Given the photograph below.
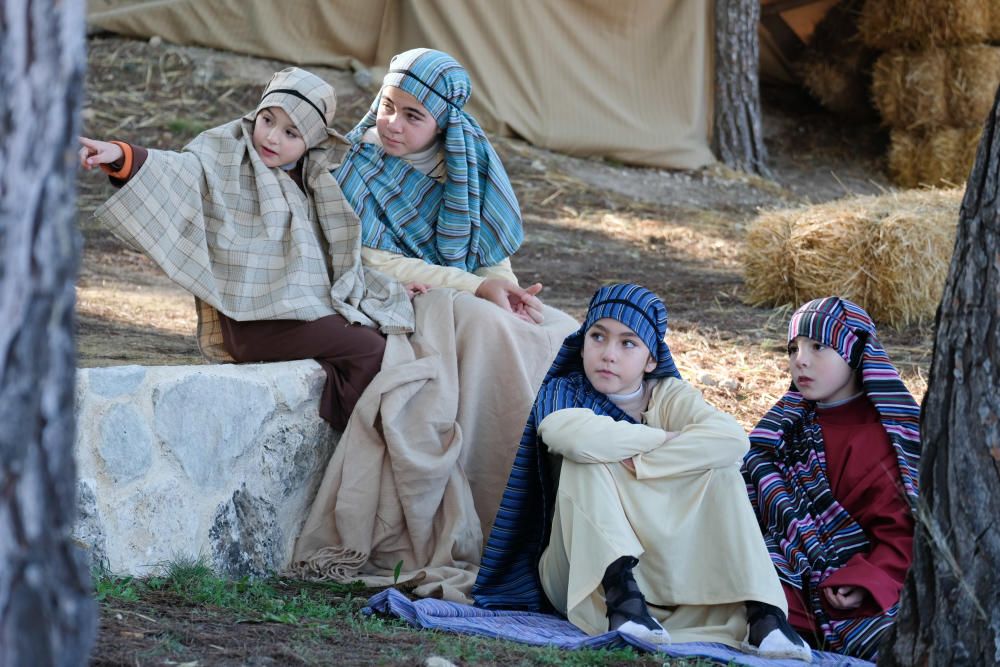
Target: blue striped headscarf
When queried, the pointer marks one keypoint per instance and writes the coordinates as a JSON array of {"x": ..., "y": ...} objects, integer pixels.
[
  {"x": 508, "y": 573},
  {"x": 470, "y": 221},
  {"x": 808, "y": 533}
]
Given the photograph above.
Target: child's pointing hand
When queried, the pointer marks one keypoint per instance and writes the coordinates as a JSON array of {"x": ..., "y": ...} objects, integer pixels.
[{"x": 95, "y": 153}]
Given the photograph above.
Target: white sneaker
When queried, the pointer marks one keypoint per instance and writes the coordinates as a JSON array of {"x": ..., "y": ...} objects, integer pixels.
[
  {"x": 776, "y": 645},
  {"x": 658, "y": 635}
]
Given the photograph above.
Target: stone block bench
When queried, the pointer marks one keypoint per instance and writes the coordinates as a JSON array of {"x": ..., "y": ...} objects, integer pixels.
[{"x": 216, "y": 461}]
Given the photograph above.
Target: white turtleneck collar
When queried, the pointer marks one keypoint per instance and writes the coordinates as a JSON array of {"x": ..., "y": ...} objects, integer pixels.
[{"x": 429, "y": 161}]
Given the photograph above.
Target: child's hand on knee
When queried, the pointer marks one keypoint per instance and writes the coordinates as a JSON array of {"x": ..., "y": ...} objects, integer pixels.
[
  {"x": 844, "y": 597},
  {"x": 95, "y": 153}
]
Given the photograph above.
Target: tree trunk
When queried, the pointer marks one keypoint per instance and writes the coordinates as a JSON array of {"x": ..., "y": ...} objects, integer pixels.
[
  {"x": 737, "y": 137},
  {"x": 47, "y": 615},
  {"x": 950, "y": 607}
]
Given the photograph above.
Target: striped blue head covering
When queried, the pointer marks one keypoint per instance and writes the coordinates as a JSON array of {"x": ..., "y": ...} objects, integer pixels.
[
  {"x": 637, "y": 308},
  {"x": 508, "y": 572},
  {"x": 473, "y": 220},
  {"x": 808, "y": 533}
]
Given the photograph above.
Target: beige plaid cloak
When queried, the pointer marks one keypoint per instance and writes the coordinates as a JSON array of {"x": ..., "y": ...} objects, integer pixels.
[{"x": 248, "y": 242}]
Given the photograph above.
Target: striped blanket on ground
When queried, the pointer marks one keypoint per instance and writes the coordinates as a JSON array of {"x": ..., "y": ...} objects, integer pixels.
[{"x": 549, "y": 630}]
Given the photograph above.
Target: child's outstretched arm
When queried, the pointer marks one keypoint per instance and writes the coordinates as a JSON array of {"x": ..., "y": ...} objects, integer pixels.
[{"x": 94, "y": 153}]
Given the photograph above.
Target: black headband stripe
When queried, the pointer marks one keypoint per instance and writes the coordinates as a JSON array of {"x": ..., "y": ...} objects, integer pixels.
[
  {"x": 295, "y": 93},
  {"x": 636, "y": 308},
  {"x": 406, "y": 72}
]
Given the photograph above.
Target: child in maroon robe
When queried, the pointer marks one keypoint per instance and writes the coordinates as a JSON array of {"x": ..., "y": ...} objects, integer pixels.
[{"x": 832, "y": 476}]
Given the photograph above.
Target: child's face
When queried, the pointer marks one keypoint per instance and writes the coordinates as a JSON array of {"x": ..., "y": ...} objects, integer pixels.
[
  {"x": 277, "y": 140},
  {"x": 403, "y": 124},
  {"x": 614, "y": 357},
  {"x": 819, "y": 372}
]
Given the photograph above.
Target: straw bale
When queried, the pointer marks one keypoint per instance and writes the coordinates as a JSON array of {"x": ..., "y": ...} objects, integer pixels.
[
  {"x": 767, "y": 259},
  {"x": 841, "y": 85},
  {"x": 889, "y": 253},
  {"x": 828, "y": 253},
  {"x": 972, "y": 83},
  {"x": 994, "y": 27},
  {"x": 904, "y": 167},
  {"x": 939, "y": 156},
  {"x": 910, "y": 250},
  {"x": 889, "y": 24},
  {"x": 910, "y": 89}
]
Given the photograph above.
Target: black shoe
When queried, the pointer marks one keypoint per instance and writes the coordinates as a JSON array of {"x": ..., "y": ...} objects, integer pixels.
[
  {"x": 769, "y": 634},
  {"x": 627, "y": 611}
]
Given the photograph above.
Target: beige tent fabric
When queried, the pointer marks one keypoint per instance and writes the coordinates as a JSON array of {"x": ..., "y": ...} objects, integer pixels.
[
  {"x": 421, "y": 467},
  {"x": 335, "y": 34},
  {"x": 630, "y": 80}
]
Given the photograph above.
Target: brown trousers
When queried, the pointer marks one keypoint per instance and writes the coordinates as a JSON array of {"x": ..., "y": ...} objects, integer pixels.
[{"x": 350, "y": 354}]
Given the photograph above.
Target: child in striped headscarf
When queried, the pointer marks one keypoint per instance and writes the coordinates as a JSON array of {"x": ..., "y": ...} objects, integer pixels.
[
  {"x": 832, "y": 475},
  {"x": 625, "y": 509},
  {"x": 435, "y": 202}
]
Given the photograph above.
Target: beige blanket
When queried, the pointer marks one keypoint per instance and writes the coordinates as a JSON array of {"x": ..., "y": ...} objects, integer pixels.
[{"x": 420, "y": 469}]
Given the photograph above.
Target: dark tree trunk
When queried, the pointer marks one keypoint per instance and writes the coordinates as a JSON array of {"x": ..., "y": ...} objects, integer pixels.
[
  {"x": 737, "y": 137},
  {"x": 47, "y": 615},
  {"x": 950, "y": 608}
]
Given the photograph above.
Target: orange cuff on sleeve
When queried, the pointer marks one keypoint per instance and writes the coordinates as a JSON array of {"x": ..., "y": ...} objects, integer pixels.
[{"x": 126, "y": 170}]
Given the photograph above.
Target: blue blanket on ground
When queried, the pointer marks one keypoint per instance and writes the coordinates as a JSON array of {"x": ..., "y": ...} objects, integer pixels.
[{"x": 549, "y": 630}]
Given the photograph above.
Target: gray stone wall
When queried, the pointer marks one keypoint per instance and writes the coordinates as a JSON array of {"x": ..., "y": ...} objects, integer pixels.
[{"x": 217, "y": 461}]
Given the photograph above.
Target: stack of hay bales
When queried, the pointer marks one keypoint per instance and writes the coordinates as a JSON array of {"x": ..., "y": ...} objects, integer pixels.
[
  {"x": 889, "y": 253},
  {"x": 935, "y": 83}
]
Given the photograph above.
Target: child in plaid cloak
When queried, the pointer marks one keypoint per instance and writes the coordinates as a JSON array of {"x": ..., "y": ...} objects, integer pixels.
[
  {"x": 625, "y": 508},
  {"x": 249, "y": 219}
]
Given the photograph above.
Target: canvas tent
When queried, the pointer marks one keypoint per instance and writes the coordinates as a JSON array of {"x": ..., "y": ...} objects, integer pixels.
[{"x": 632, "y": 80}]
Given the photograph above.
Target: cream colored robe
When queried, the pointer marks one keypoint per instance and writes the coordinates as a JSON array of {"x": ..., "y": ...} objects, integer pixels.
[
  {"x": 410, "y": 269},
  {"x": 684, "y": 514}
]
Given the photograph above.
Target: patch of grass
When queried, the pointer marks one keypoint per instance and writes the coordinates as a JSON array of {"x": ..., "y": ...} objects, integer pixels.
[
  {"x": 271, "y": 600},
  {"x": 263, "y": 599},
  {"x": 110, "y": 586},
  {"x": 186, "y": 127}
]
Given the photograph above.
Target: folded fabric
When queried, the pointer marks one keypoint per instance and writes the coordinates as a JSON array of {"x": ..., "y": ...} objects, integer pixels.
[{"x": 549, "y": 630}]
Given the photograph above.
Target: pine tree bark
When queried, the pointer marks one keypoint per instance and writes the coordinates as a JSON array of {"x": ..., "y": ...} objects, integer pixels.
[
  {"x": 950, "y": 607},
  {"x": 737, "y": 137},
  {"x": 47, "y": 615}
]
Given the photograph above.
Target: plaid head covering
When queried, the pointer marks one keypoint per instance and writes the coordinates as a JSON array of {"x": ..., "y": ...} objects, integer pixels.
[
  {"x": 508, "y": 573},
  {"x": 243, "y": 238},
  {"x": 808, "y": 533},
  {"x": 473, "y": 219},
  {"x": 308, "y": 100}
]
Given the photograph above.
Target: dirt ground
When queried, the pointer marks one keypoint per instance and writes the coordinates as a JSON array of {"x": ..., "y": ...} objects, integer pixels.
[{"x": 587, "y": 222}]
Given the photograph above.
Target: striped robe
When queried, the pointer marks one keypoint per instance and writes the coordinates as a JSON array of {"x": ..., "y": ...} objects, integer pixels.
[{"x": 808, "y": 533}]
